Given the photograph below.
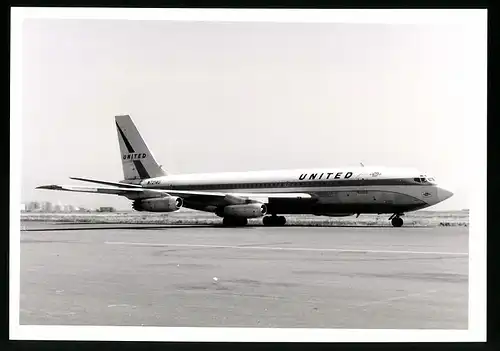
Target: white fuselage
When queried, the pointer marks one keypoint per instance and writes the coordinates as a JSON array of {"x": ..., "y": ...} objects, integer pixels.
[{"x": 334, "y": 190}]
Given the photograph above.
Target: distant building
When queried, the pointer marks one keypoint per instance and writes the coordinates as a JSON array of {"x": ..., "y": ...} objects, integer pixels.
[
  {"x": 47, "y": 207},
  {"x": 33, "y": 206},
  {"x": 106, "y": 209},
  {"x": 68, "y": 208}
]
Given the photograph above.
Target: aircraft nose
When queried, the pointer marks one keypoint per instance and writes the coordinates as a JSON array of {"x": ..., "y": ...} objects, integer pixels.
[{"x": 443, "y": 193}]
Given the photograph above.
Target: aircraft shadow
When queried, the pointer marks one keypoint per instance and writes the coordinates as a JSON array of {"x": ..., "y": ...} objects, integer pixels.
[
  {"x": 191, "y": 226},
  {"x": 82, "y": 227}
]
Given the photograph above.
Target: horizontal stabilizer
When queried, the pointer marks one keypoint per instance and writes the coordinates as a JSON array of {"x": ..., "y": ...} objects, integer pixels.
[{"x": 105, "y": 182}]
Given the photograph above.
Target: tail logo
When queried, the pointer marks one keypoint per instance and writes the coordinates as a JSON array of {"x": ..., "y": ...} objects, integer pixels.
[{"x": 134, "y": 156}]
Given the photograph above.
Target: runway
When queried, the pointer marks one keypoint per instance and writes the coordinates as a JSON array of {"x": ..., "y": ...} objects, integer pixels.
[{"x": 206, "y": 276}]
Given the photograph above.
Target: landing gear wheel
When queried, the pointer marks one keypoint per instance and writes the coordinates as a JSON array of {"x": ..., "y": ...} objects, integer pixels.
[
  {"x": 234, "y": 221},
  {"x": 266, "y": 221},
  {"x": 281, "y": 220},
  {"x": 397, "y": 222},
  {"x": 274, "y": 220}
]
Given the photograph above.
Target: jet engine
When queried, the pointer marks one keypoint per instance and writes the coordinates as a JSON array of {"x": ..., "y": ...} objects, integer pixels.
[
  {"x": 160, "y": 204},
  {"x": 252, "y": 210}
]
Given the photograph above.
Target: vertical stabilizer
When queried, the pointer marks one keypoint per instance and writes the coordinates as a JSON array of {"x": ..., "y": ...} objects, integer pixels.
[{"x": 137, "y": 161}]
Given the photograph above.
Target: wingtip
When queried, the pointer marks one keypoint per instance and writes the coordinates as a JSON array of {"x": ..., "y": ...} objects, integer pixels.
[{"x": 49, "y": 187}]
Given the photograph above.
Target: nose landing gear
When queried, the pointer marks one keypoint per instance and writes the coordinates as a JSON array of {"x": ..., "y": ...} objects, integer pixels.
[{"x": 396, "y": 220}]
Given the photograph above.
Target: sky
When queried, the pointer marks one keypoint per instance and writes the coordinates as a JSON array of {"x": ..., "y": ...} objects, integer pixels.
[{"x": 221, "y": 96}]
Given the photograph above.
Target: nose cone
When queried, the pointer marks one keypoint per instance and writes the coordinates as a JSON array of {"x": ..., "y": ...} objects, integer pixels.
[{"x": 443, "y": 194}]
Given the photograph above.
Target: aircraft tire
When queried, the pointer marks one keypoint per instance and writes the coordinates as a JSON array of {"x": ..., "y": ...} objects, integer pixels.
[
  {"x": 267, "y": 221},
  {"x": 274, "y": 220},
  {"x": 281, "y": 220},
  {"x": 397, "y": 222},
  {"x": 234, "y": 221}
]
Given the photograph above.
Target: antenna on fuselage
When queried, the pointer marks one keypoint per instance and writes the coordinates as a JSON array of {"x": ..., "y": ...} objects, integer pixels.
[{"x": 361, "y": 163}]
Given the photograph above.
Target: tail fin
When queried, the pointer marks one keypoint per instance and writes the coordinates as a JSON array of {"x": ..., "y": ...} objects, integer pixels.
[{"x": 137, "y": 161}]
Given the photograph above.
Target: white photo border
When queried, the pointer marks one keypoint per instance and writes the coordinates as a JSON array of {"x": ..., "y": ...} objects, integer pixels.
[{"x": 477, "y": 19}]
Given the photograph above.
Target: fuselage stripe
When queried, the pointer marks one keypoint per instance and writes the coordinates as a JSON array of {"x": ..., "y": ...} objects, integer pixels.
[
  {"x": 141, "y": 170},
  {"x": 287, "y": 185}
]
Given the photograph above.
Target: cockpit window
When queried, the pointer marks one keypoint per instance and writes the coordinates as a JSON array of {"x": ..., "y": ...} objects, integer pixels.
[{"x": 423, "y": 180}]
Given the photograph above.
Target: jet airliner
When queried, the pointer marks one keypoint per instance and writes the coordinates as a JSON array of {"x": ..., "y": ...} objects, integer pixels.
[{"x": 238, "y": 196}]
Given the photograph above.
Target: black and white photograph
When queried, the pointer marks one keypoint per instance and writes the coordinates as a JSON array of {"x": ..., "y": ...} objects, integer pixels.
[{"x": 248, "y": 175}]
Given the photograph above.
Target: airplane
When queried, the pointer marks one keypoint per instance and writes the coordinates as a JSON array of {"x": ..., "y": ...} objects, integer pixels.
[{"x": 238, "y": 196}]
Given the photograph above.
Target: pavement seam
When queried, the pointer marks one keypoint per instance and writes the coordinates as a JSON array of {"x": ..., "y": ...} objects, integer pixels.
[{"x": 286, "y": 248}]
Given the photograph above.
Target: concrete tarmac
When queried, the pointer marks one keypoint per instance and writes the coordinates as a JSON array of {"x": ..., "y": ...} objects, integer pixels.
[{"x": 206, "y": 276}]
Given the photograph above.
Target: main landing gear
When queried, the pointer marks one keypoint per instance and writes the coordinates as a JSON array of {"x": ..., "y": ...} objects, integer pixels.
[
  {"x": 396, "y": 220},
  {"x": 242, "y": 221},
  {"x": 234, "y": 221},
  {"x": 274, "y": 220}
]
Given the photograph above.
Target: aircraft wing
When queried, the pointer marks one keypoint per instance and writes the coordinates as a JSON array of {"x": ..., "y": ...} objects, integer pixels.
[
  {"x": 220, "y": 198},
  {"x": 201, "y": 197}
]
